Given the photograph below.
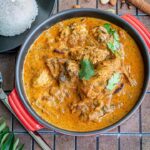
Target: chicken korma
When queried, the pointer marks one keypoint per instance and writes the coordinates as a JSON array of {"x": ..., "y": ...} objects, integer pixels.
[{"x": 83, "y": 74}]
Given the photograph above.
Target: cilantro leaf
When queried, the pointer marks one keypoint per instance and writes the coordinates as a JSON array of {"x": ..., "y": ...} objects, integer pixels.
[
  {"x": 87, "y": 69},
  {"x": 116, "y": 36},
  {"x": 113, "y": 46},
  {"x": 107, "y": 26},
  {"x": 113, "y": 81}
]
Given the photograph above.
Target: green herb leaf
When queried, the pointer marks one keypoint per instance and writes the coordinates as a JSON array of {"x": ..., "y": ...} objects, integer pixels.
[
  {"x": 115, "y": 45},
  {"x": 107, "y": 26},
  {"x": 7, "y": 139},
  {"x": 2, "y": 126},
  {"x": 20, "y": 147},
  {"x": 15, "y": 144},
  {"x": 87, "y": 69},
  {"x": 6, "y": 130},
  {"x": 116, "y": 36},
  {"x": 111, "y": 46},
  {"x": 8, "y": 143},
  {"x": 115, "y": 79}
]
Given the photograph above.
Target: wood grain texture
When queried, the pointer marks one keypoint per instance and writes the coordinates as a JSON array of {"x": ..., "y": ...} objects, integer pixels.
[
  {"x": 108, "y": 142},
  {"x": 64, "y": 142},
  {"x": 145, "y": 113},
  {"x": 17, "y": 127},
  {"x": 146, "y": 143},
  {"x": 4, "y": 112},
  {"x": 48, "y": 138},
  {"x": 87, "y": 3},
  {"x": 26, "y": 140},
  {"x": 7, "y": 68},
  {"x": 129, "y": 143},
  {"x": 86, "y": 143},
  {"x": 66, "y": 4},
  {"x": 132, "y": 124}
]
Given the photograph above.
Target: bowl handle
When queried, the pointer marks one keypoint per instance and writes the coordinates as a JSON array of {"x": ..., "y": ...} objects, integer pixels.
[
  {"x": 139, "y": 26},
  {"x": 21, "y": 112}
]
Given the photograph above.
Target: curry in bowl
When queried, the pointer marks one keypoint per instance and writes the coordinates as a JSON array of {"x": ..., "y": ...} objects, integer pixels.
[{"x": 83, "y": 74}]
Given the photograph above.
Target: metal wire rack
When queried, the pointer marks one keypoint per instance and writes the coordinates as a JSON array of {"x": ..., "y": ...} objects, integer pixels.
[{"x": 118, "y": 134}]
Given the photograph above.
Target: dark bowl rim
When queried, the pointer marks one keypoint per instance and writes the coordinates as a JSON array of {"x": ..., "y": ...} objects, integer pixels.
[{"x": 19, "y": 86}]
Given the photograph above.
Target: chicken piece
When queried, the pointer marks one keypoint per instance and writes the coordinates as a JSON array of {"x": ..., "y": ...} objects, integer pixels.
[
  {"x": 97, "y": 113},
  {"x": 44, "y": 79},
  {"x": 74, "y": 34},
  {"x": 94, "y": 54},
  {"x": 109, "y": 109},
  {"x": 101, "y": 34},
  {"x": 59, "y": 93},
  {"x": 55, "y": 66},
  {"x": 72, "y": 68},
  {"x": 94, "y": 87},
  {"x": 49, "y": 38},
  {"x": 78, "y": 35},
  {"x": 46, "y": 103},
  {"x": 108, "y": 99},
  {"x": 100, "y": 111},
  {"x": 91, "y": 88},
  {"x": 63, "y": 70},
  {"x": 88, "y": 110},
  {"x": 65, "y": 33},
  {"x": 77, "y": 53},
  {"x": 96, "y": 116},
  {"x": 108, "y": 67},
  {"x": 46, "y": 100},
  {"x": 82, "y": 108},
  {"x": 81, "y": 105}
]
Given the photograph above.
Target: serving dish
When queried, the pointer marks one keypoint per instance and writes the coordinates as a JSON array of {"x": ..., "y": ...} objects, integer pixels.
[
  {"x": 45, "y": 9},
  {"x": 22, "y": 105}
]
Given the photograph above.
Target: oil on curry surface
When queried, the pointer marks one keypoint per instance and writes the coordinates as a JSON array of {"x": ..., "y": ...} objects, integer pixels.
[{"x": 83, "y": 74}]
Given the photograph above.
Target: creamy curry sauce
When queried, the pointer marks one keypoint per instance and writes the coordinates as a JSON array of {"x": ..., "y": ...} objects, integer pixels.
[{"x": 83, "y": 74}]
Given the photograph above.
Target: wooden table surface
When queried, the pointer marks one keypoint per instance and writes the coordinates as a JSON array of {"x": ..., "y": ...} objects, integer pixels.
[{"x": 134, "y": 134}]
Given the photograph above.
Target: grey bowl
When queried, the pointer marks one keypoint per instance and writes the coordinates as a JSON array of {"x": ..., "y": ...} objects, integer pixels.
[{"x": 88, "y": 12}]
